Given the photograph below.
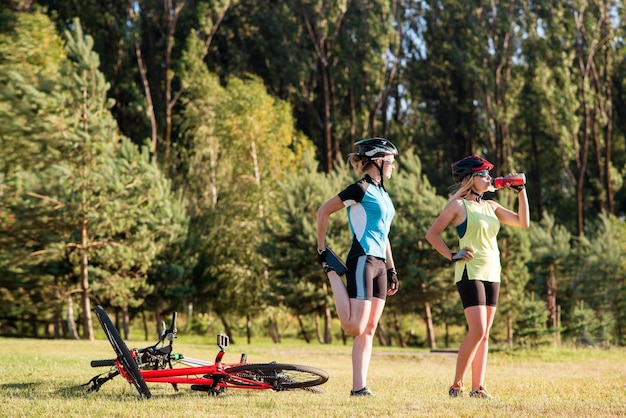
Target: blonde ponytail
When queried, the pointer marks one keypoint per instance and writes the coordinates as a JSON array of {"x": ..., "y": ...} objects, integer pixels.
[{"x": 460, "y": 190}]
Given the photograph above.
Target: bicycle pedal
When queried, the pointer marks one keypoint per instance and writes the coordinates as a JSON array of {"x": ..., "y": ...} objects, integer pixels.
[
  {"x": 209, "y": 389},
  {"x": 201, "y": 388}
]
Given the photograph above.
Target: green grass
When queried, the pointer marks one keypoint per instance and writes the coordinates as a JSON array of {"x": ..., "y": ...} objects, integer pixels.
[{"x": 43, "y": 377}]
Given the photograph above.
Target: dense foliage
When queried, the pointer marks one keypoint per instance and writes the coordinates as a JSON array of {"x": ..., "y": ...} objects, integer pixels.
[{"x": 163, "y": 156}]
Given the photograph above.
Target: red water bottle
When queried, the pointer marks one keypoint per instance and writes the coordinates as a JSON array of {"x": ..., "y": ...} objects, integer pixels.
[{"x": 518, "y": 179}]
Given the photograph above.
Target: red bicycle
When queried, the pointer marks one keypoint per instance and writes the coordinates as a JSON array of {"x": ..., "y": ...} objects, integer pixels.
[{"x": 159, "y": 364}]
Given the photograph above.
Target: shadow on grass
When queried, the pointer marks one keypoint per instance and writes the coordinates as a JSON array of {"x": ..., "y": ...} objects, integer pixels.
[
  {"x": 30, "y": 390},
  {"x": 19, "y": 386},
  {"x": 26, "y": 390},
  {"x": 38, "y": 390}
]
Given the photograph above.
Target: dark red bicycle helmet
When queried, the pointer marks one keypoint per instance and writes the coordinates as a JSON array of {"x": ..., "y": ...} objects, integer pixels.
[{"x": 469, "y": 165}]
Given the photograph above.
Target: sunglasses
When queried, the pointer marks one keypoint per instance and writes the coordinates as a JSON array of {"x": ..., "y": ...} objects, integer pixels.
[
  {"x": 385, "y": 159},
  {"x": 482, "y": 173}
]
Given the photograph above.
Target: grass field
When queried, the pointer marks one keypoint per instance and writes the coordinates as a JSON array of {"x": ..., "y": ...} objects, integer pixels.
[{"x": 41, "y": 378}]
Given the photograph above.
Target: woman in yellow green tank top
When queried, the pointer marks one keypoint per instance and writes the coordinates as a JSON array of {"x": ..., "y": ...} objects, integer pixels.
[{"x": 477, "y": 262}]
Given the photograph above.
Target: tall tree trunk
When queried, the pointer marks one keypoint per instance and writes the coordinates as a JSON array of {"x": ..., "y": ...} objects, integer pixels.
[
  {"x": 273, "y": 329},
  {"x": 305, "y": 335},
  {"x": 606, "y": 95},
  {"x": 257, "y": 181},
  {"x": 71, "y": 322},
  {"x": 586, "y": 48},
  {"x": 83, "y": 224},
  {"x": 581, "y": 163},
  {"x": 382, "y": 335},
  {"x": 558, "y": 326},
  {"x": 509, "y": 328},
  {"x": 249, "y": 328},
  {"x": 172, "y": 12},
  {"x": 398, "y": 328},
  {"x": 535, "y": 177},
  {"x": 189, "y": 323},
  {"x": 125, "y": 323},
  {"x": 84, "y": 281},
  {"x": 326, "y": 116},
  {"x": 430, "y": 329},
  {"x": 227, "y": 329},
  {"x": 32, "y": 320},
  {"x": 499, "y": 65},
  {"x": 56, "y": 323},
  {"x": 321, "y": 33},
  {"x": 143, "y": 73},
  {"x": 144, "y": 322},
  {"x": 147, "y": 91},
  {"x": 353, "y": 116},
  {"x": 318, "y": 329},
  {"x": 551, "y": 298}
]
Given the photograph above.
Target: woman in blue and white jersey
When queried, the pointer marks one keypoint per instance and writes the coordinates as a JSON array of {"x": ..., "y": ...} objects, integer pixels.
[{"x": 371, "y": 274}]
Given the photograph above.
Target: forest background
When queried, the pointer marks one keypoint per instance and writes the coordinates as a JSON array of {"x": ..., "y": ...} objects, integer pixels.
[{"x": 171, "y": 155}]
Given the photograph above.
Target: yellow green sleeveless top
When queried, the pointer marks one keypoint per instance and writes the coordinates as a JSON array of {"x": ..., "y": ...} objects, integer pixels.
[{"x": 479, "y": 231}]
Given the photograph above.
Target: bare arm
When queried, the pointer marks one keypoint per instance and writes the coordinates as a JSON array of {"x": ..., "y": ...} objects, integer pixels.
[
  {"x": 331, "y": 206},
  {"x": 521, "y": 219},
  {"x": 389, "y": 256},
  {"x": 454, "y": 211}
]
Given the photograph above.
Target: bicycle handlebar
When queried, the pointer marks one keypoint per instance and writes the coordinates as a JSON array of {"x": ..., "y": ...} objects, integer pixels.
[{"x": 170, "y": 333}]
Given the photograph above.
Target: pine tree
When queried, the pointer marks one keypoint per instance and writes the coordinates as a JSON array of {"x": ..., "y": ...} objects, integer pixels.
[{"x": 94, "y": 197}]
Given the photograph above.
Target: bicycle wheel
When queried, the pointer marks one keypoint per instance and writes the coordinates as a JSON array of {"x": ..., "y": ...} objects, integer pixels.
[
  {"x": 280, "y": 376},
  {"x": 123, "y": 353}
]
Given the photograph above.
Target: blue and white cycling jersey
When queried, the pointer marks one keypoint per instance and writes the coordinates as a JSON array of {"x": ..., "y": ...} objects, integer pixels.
[{"x": 370, "y": 212}]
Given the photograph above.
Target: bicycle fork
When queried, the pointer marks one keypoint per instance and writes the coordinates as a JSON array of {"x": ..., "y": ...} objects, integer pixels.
[{"x": 97, "y": 381}]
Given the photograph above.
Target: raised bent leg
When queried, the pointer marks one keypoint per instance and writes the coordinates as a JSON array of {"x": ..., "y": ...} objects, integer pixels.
[{"x": 353, "y": 313}]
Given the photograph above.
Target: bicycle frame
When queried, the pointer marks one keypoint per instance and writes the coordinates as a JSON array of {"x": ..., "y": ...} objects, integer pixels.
[
  {"x": 190, "y": 375},
  {"x": 203, "y": 373}
]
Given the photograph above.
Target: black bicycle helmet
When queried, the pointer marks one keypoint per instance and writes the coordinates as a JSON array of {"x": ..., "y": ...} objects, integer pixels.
[
  {"x": 370, "y": 147},
  {"x": 469, "y": 165}
]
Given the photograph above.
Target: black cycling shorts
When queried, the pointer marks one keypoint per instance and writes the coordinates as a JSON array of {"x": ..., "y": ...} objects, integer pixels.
[
  {"x": 477, "y": 292},
  {"x": 366, "y": 278}
]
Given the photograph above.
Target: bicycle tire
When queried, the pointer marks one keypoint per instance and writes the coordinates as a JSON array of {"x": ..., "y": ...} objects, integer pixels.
[
  {"x": 280, "y": 376},
  {"x": 103, "y": 363},
  {"x": 122, "y": 352}
]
